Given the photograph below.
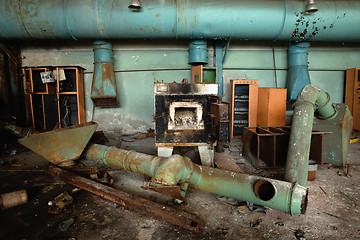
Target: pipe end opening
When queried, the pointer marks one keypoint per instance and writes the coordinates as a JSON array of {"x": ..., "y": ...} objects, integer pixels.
[
  {"x": 264, "y": 190},
  {"x": 304, "y": 202}
]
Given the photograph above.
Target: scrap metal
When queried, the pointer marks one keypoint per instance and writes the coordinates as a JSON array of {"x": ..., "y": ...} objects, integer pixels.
[
  {"x": 130, "y": 201},
  {"x": 61, "y": 146}
]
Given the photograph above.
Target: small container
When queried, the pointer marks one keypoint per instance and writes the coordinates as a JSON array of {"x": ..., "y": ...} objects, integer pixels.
[
  {"x": 313, "y": 165},
  {"x": 13, "y": 199}
]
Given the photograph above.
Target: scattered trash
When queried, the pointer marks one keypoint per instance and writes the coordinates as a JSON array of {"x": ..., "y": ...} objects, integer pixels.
[
  {"x": 322, "y": 190},
  {"x": 229, "y": 201},
  {"x": 13, "y": 152},
  {"x": 242, "y": 209},
  {"x": 354, "y": 140},
  {"x": 300, "y": 234},
  {"x": 279, "y": 224},
  {"x": 313, "y": 165},
  {"x": 63, "y": 226},
  {"x": 102, "y": 177},
  {"x": 99, "y": 138},
  {"x": 59, "y": 203},
  {"x": 348, "y": 168},
  {"x": 9, "y": 200},
  {"x": 256, "y": 208},
  {"x": 255, "y": 224}
]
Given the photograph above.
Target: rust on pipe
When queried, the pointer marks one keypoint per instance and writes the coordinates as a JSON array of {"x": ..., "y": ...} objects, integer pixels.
[{"x": 130, "y": 201}]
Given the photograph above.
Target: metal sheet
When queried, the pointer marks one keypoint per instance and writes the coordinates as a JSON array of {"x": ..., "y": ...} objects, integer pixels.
[{"x": 61, "y": 146}]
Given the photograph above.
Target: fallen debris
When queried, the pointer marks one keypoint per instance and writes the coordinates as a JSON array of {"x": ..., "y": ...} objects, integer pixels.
[
  {"x": 101, "y": 176},
  {"x": 256, "y": 208},
  {"x": 322, "y": 190},
  {"x": 226, "y": 163},
  {"x": 59, "y": 203},
  {"x": 130, "y": 201},
  {"x": 9, "y": 200},
  {"x": 299, "y": 234},
  {"x": 99, "y": 138},
  {"x": 63, "y": 226}
]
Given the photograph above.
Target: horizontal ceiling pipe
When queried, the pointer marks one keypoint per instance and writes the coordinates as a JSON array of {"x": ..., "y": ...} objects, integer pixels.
[
  {"x": 177, "y": 170},
  {"x": 309, "y": 100},
  {"x": 180, "y": 19}
]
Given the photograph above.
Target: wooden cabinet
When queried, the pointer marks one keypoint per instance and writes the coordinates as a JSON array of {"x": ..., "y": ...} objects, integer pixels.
[
  {"x": 57, "y": 103},
  {"x": 271, "y": 107},
  {"x": 352, "y": 95},
  {"x": 243, "y": 105}
]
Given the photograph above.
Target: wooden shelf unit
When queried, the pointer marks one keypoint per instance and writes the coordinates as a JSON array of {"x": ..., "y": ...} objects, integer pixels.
[
  {"x": 49, "y": 104},
  {"x": 352, "y": 95},
  {"x": 243, "y": 105}
]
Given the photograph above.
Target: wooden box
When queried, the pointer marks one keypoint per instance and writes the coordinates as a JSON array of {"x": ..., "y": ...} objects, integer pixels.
[{"x": 271, "y": 107}]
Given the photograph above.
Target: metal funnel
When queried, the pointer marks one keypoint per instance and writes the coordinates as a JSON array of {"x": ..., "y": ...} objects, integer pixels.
[{"x": 61, "y": 146}]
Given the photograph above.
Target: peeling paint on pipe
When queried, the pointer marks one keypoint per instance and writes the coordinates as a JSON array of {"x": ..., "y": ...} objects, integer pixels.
[
  {"x": 103, "y": 88},
  {"x": 180, "y": 19},
  {"x": 309, "y": 100},
  {"x": 177, "y": 170}
]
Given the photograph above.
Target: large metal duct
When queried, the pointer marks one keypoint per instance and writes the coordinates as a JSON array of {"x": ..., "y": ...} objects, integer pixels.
[{"x": 212, "y": 19}]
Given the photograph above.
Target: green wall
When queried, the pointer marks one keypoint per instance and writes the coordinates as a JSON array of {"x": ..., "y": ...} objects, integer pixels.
[{"x": 138, "y": 64}]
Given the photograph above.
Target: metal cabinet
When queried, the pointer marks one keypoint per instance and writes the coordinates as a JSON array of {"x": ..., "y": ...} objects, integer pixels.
[{"x": 243, "y": 105}]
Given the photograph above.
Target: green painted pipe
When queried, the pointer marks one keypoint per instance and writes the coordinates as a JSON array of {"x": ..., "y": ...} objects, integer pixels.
[
  {"x": 178, "y": 170},
  {"x": 309, "y": 100}
]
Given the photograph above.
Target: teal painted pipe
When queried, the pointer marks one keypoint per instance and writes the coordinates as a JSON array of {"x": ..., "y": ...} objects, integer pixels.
[
  {"x": 178, "y": 170},
  {"x": 298, "y": 75},
  {"x": 180, "y": 19},
  {"x": 219, "y": 67},
  {"x": 309, "y": 100},
  {"x": 103, "y": 89},
  {"x": 197, "y": 52}
]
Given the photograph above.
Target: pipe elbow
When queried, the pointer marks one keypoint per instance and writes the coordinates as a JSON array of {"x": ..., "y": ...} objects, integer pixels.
[
  {"x": 172, "y": 170},
  {"x": 319, "y": 99}
]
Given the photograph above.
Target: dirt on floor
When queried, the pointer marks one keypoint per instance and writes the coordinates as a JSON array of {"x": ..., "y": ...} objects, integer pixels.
[{"x": 332, "y": 213}]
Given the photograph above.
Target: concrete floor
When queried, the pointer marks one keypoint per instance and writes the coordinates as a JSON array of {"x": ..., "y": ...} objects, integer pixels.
[{"x": 333, "y": 209}]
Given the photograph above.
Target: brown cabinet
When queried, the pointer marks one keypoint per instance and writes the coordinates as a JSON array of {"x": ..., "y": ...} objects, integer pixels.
[
  {"x": 243, "y": 105},
  {"x": 352, "y": 95},
  {"x": 58, "y": 100},
  {"x": 271, "y": 107}
]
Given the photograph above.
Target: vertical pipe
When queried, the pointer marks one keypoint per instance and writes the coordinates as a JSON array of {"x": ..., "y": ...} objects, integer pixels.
[
  {"x": 103, "y": 90},
  {"x": 298, "y": 75},
  {"x": 310, "y": 98},
  {"x": 219, "y": 67}
]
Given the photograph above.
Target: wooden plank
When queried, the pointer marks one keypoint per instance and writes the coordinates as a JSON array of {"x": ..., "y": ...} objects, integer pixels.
[
  {"x": 349, "y": 88},
  {"x": 80, "y": 94},
  {"x": 43, "y": 108}
]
